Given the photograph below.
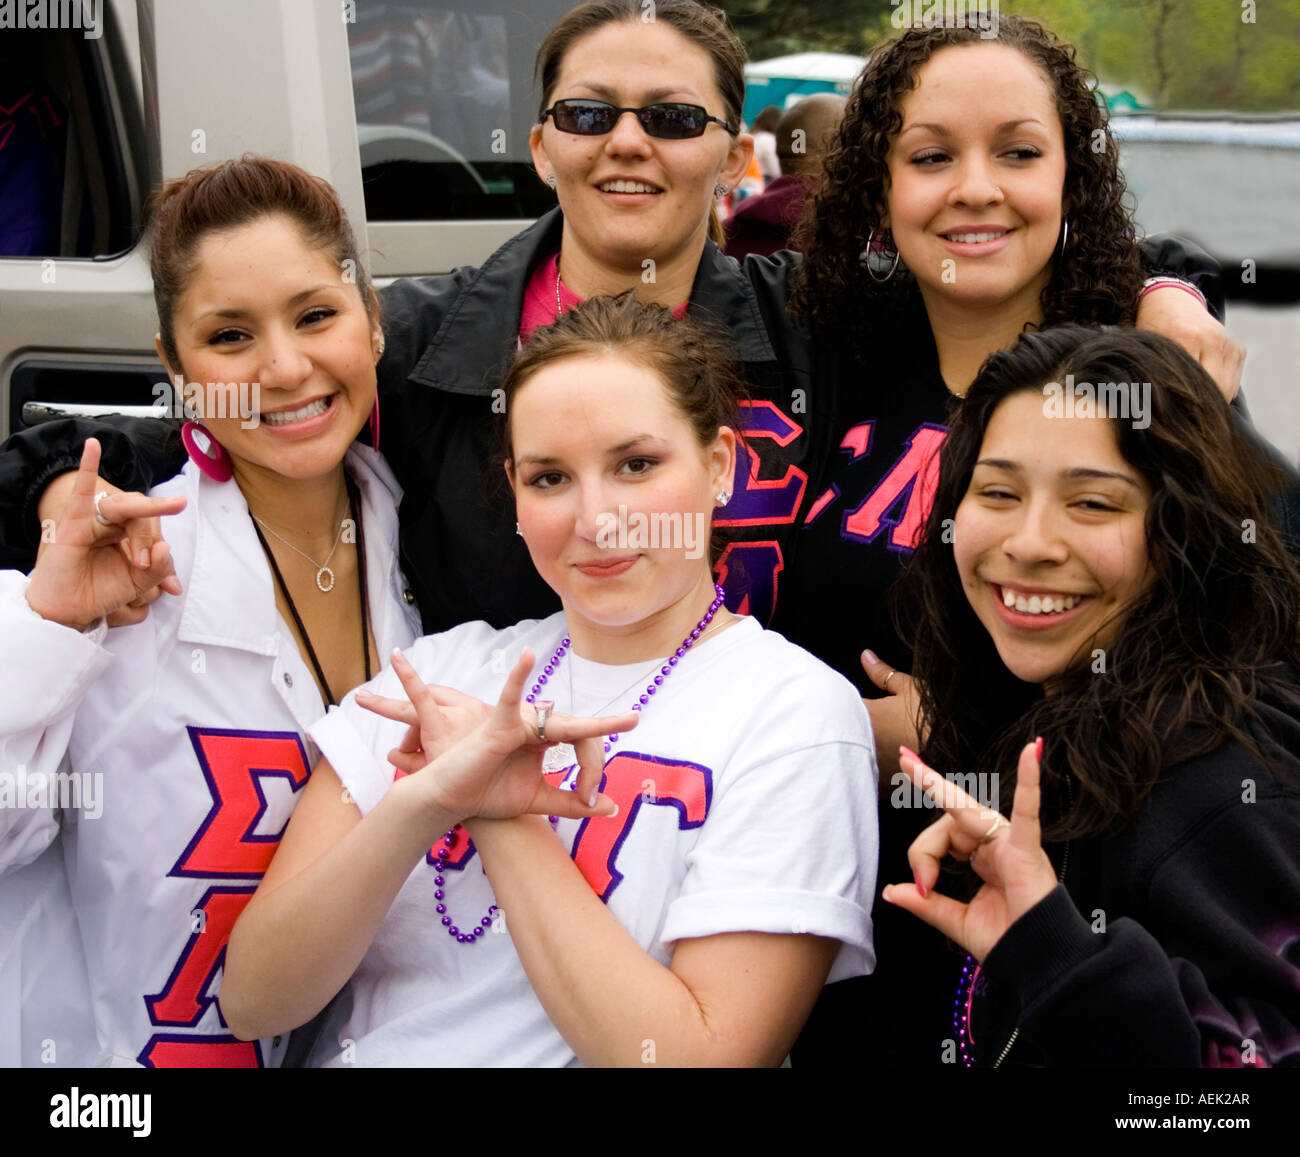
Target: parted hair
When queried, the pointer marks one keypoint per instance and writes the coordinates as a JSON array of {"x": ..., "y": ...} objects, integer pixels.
[
  {"x": 1213, "y": 629},
  {"x": 1095, "y": 281}
]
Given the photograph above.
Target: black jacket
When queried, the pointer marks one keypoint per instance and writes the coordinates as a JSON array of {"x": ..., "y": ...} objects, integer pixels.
[{"x": 448, "y": 340}]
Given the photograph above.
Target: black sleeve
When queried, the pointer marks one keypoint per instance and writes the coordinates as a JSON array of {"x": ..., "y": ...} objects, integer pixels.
[
  {"x": 1170, "y": 256},
  {"x": 1286, "y": 489},
  {"x": 137, "y": 454},
  {"x": 1203, "y": 981}
]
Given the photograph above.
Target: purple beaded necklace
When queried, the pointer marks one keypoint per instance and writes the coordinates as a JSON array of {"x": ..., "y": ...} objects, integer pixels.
[{"x": 452, "y": 835}]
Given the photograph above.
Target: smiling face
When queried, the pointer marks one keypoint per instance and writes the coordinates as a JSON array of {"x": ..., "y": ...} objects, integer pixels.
[
  {"x": 265, "y": 307},
  {"x": 976, "y": 178},
  {"x": 628, "y": 196},
  {"x": 1054, "y": 521},
  {"x": 591, "y": 434}
]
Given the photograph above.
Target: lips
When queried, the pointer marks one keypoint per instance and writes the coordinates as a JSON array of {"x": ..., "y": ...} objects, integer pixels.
[
  {"x": 300, "y": 413},
  {"x": 628, "y": 185},
  {"x": 606, "y": 567},
  {"x": 1035, "y": 608}
]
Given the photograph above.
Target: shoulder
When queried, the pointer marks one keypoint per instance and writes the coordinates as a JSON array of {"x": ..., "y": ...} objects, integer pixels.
[
  {"x": 373, "y": 476},
  {"x": 476, "y": 657},
  {"x": 788, "y": 694}
]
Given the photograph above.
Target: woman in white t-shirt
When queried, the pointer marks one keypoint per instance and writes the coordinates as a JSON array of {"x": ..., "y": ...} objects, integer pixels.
[{"x": 689, "y": 914}]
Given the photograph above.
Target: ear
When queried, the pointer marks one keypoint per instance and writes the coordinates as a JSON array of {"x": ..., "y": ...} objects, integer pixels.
[
  {"x": 721, "y": 456},
  {"x": 172, "y": 372},
  {"x": 738, "y": 158},
  {"x": 541, "y": 162},
  {"x": 510, "y": 474}
]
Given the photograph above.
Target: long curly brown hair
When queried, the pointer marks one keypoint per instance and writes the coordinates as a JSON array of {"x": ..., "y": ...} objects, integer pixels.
[
  {"x": 1098, "y": 279},
  {"x": 1218, "y": 626}
]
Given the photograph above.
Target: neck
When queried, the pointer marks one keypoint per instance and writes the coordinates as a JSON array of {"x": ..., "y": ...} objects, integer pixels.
[
  {"x": 304, "y": 510},
  {"x": 673, "y": 275},
  {"x": 965, "y": 335},
  {"x": 651, "y": 638}
]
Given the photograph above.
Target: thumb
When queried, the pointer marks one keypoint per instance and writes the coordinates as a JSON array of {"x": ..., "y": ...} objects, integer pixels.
[{"x": 887, "y": 678}]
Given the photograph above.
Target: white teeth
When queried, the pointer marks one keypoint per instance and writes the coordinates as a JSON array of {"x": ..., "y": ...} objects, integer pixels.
[
  {"x": 1039, "y": 604},
  {"x": 974, "y": 238},
  {"x": 627, "y": 187},
  {"x": 311, "y": 410}
]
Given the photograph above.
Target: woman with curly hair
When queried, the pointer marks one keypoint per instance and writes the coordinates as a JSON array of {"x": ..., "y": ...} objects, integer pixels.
[
  {"x": 974, "y": 192},
  {"x": 1110, "y": 587}
]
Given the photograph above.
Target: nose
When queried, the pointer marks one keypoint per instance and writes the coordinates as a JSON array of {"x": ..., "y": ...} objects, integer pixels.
[
  {"x": 284, "y": 363},
  {"x": 595, "y": 519},
  {"x": 974, "y": 182},
  {"x": 628, "y": 137},
  {"x": 1035, "y": 538}
]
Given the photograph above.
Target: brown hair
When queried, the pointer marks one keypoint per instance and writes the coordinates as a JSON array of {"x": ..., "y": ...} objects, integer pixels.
[
  {"x": 1096, "y": 280},
  {"x": 1194, "y": 652},
  {"x": 692, "y": 359},
  {"x": 699, "y": 23},
  {"x": 229, "y": 195}
]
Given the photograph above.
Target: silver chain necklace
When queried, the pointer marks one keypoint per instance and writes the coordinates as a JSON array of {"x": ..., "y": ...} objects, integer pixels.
[{"x": 324, "y": 574}]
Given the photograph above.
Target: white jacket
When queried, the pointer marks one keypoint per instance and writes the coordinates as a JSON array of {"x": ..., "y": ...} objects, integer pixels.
[{"x": 168, "y": 755}]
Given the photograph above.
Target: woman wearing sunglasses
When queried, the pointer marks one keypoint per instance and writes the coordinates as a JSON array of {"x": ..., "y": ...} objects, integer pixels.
[{"x": 637, "y": 133}]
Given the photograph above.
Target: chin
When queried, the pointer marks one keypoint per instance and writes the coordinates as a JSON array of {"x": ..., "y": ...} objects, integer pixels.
[{"x": 1032, "y": 665}]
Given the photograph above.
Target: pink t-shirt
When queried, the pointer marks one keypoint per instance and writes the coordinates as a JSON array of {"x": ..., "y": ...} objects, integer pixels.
[{"x": 539, "y": 299}]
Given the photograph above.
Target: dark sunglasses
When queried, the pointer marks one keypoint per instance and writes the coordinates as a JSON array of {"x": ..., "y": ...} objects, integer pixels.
[{"x": 669, "y": 122}]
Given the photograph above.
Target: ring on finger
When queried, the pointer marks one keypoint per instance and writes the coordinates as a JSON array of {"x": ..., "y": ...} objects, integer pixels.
[
  {"x": 998, "y": 823},
  {"x": 99, "y": 514},
  {"x": 544, "y": 708},
  {"x": 885, "y": 685}
]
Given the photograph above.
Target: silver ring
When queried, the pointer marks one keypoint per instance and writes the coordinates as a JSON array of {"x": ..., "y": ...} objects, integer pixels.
[
  {"x": 99, "y": 514},
  {"x": 544, "y": 708}
]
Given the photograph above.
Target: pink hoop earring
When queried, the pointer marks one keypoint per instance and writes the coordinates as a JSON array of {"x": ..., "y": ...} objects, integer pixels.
[
  {"x": 374, "y": 425},
  {"x": 206, "y": 452}
]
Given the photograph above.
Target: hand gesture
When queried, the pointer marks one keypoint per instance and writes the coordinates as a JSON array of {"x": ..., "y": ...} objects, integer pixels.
[
  {"x": 480, "y": 761},
  {"x": 84, "y": 574},
  {"x": 1008, "y": 857}
]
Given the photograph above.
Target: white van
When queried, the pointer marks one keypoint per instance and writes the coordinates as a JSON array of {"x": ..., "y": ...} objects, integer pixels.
[{"x": 417, "y": 111}]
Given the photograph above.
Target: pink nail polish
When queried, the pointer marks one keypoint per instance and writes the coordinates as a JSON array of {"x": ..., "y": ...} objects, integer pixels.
[
  {"x": 907, "y": 751},
  {"x": 916, "y": 877},
  {"x": 1038, "y": 749}
]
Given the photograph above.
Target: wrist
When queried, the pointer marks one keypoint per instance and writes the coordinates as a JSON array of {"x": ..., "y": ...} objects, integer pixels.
[
  {"x": 38, "y": 608},
  {"x": 1166, "y": 282},
  {"x": 416, "y": 792}
]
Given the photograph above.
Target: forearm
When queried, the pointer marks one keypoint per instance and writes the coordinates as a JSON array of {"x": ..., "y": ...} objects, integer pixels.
[
  {"x": 610, "y": 1000},
  {"x": 295, "y": 946}
]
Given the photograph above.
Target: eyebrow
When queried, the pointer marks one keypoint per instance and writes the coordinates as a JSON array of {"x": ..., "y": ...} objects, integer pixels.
[
  {"x": 1078, "y": 473},
  {"x": 943, "y": 131},
  {"x": 614, "y": 451},
  {"x": 654, "y": 96},
  {"x": 296, "y": 299}
]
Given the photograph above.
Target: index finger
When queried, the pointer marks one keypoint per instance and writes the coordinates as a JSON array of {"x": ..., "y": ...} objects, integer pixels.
[{"x": 943, "y": 791}]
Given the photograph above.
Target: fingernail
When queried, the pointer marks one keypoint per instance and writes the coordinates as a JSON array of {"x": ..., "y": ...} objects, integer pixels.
[
  {"x": 909, "y": 753},
  {"x": 1038, "y": 749},
  {"x": 613, "y": 813},
  {"x": 870, "y": 657},
  {"x": 916, "y": 876},
  {"x": 142, "y": 558},
  {"x": 591, "y": 799}
]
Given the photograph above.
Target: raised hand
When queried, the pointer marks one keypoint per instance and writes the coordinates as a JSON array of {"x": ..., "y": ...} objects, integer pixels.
[
  {"x": 1008, "y": 857},
  {"x": 894, "y": 719},
  {"x": 480, "y": 761},
  {"x": 84, "y": 574}
]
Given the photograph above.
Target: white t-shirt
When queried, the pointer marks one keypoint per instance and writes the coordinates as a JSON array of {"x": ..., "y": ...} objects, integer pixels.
[{"x": 747, "y": 801}]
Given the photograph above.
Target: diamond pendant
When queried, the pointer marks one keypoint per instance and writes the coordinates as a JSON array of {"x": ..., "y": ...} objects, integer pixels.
[
  {"x": 561, "y": 757},
  {"x": 325, "y": 584}
]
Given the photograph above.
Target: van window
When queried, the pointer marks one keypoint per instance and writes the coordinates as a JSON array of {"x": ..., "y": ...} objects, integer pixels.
[
  {"x": 444, "y": 103},
  {"x": 63, "y": 186}
]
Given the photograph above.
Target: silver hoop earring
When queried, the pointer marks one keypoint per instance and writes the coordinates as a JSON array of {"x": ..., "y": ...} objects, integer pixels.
[
  {"x": 721, "y": 190},
  {"x": 551, "y": 180},
  {"x": 877, "y": 259},
  {"x": 1065, "y": 236},
  {"x": 518, "y": 531}
]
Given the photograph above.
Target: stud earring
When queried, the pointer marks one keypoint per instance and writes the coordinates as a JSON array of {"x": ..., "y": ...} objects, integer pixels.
[
  {"x": 550, "y": 180},
  {"x": 721, "y": 190},
  {"x": 723, "y": 497},
  {"x": 518, "y": 531}
]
